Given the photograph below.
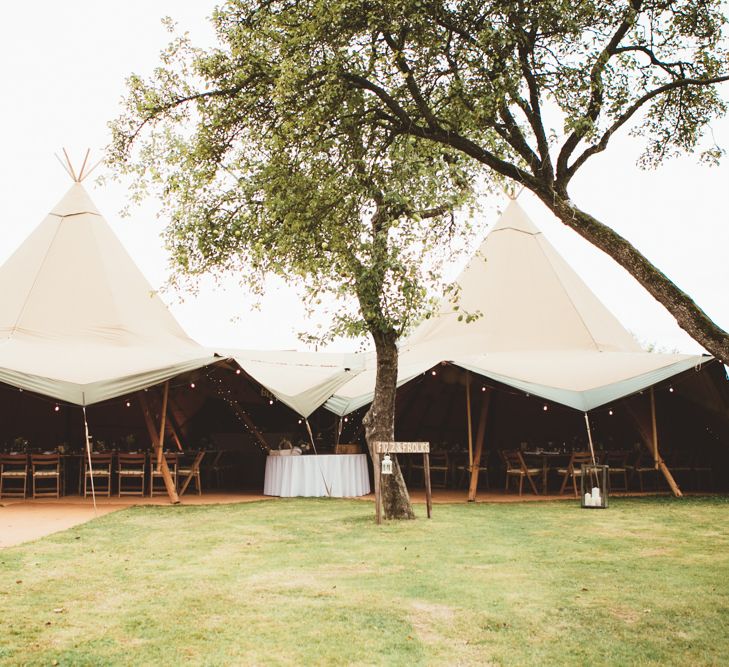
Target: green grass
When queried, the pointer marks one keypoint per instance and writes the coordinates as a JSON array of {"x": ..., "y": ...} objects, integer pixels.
[{"x": 316, "y": 582}]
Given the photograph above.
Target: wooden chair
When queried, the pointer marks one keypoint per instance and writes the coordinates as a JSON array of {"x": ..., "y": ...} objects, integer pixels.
[
  {"x": 188, "y": 471},
  {"x": 516, "y": 468},
  {"x": 438, "y": 465},
  {"x": 464, "y": 471},
  {"x": 45, "y": 467},
  {"x": 13, "y": 470},
  {"x": 100, "y": 470},
  {"x": 156, "y": 472},
  {"x": 574, "y": 470},
  {"x": 617, "y": 462},
  {"x": 645, "y": 466},
  {"x": 131, "y": 467}
]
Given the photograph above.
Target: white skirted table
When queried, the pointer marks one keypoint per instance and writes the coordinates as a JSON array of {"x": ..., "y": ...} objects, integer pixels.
[{"x": 336, "y": 475}]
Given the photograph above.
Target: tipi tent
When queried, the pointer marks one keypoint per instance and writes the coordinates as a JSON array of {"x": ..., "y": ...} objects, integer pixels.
[
  {"x": 541, "y": 329},
  {"x": 78, "y": 320}
]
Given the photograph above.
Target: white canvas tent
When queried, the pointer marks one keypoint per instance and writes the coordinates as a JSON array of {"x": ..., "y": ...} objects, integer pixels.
[
  {"x": 78, "y": 320},
  {"x": 301, "y": 380},
  {"x": 541, "y": 330}
]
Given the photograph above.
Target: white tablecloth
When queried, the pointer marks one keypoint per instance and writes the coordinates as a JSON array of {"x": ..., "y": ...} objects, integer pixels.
[{"x": 346, "y": 476}]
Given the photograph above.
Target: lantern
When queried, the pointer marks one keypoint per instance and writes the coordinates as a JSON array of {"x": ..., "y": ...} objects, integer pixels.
[
  {"x": 594, "y": 486},
  {"x": 386, "y": 465}
]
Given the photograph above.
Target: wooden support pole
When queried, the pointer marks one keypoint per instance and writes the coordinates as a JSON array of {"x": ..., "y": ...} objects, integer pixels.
[
  {"x": 157, "y": 444},
  {"x": 654, "y": 428},
  {"x": 428, "y": 493},
  {"x": 378, "y": 488},
  {"x": 480, "y": 434},
  {"x": 163, "y": 421},
  {"x": 468, "y": 419},
  {"x": 649, "y": 436}
]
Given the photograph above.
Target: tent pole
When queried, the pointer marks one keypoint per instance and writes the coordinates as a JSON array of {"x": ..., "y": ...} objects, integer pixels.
[
  {"x": 88, "y": 454},
  {"x": 468, "y": 420},
  {"x": 157, "y": 444},
  {"x": 654, "y": 428},
  {"x": 163, "y": 421},
  {"x": 480, "y": 434},
  {"x": 650, "y": 440}
]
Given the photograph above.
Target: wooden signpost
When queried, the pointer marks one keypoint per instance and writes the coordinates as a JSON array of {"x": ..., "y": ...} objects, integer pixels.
[{"x": 379, "y": 448}]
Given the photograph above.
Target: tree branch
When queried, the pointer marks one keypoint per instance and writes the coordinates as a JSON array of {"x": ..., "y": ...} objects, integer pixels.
[
  {"x": 594, "y": 105},
  {"x": 601, "y": 145}
]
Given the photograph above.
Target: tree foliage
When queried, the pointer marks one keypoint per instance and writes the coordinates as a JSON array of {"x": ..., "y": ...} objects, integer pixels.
[{"x": 532, "y": 90}]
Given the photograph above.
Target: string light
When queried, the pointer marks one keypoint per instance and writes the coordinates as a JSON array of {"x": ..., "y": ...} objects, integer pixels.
[
  {"x": 57, "y": 408},
  {"x": 670, "y": 389},
  {"x": 610, "y": 412},
  {"x": 483, "y": 388},
  {"x": 227, "y": 395},
  {"x": 237, "y": 371},
  {"x": 346, "y": 419},
  {"x": 545, "y": 408},
  {"x": 192, "y": 385},
  {"x": 129, "y": 404},
  {"x": 433, "y": 373},
  {"x": 270, "y": 401}
]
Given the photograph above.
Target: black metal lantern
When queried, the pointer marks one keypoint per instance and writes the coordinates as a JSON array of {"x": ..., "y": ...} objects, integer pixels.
[{"x": 594, "y": 486}]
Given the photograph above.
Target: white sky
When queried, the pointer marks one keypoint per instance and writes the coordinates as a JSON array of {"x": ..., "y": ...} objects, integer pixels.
[{"x": 63, "y": 66}]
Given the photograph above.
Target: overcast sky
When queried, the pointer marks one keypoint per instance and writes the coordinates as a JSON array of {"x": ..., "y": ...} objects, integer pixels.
[{"x": 63, "y": 71}]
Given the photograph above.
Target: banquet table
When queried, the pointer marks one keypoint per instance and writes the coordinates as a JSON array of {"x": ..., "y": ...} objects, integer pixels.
[{"x": 336, "y": 475}]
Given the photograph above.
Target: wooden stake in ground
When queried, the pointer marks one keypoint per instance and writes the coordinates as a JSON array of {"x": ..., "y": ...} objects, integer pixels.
[
  {"x": 158, "y": 440},
  {"x": 481, "y": 433}
]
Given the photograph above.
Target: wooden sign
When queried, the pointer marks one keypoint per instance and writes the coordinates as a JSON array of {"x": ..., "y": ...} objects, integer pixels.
[
  {"x": 401, "y": 447},
  {"x": 379, "y": 448}
]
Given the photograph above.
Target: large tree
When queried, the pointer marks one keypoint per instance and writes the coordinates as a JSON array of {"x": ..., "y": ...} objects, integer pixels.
[
  {"x": 532, "y": 90},
  {"x": 261, "y": 176}
]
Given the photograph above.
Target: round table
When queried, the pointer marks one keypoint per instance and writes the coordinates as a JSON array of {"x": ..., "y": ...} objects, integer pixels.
[{"x": 336, "y": 475}]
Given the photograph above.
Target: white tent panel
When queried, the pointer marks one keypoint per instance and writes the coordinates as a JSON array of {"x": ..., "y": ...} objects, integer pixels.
[{"x": 78, "y": 320}]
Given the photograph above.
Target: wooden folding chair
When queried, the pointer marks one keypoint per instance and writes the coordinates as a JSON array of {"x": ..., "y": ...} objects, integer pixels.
[
  {"x": 43, "y": 468},
  {"x": 189, "y": 471},
  {"x": 156, "y": 471},
  {"x": 617, "y": 463},
  {"x": 131, "y": 468},
  {"x": 516, "y": 468},
  {"x": 13, "y": 471},
  {"x": 100, "y": 471},
  {"x": 574, "y": 470}
]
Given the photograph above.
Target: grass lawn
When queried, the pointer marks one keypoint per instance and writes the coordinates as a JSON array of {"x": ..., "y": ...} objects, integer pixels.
[{"x": 316, "y": 582}]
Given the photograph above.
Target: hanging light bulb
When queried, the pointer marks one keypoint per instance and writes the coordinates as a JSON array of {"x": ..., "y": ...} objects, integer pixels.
[
  {"x": 670, "y": 389},
  {"x": 192, "y": 385},
  {"x": 610, "y": 412},
  {"x": 387, "y": 465},
  {"x": 483, "y": 388},
  {"x": 270, "y": 402},
  {"x": 237, "y": 371},
  {"x": 433, "y": 373},
  {"x": 129, "y": 404},
  {"x": 545, "y": 408},
  {"x": 300, "y": 421},
  {"x": 346, "y": 419},
  {"x": 57, "y": 408}
]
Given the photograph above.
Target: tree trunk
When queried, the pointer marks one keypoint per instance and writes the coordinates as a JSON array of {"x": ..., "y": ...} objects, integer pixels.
[
  {"x": 684, "y": 309},
  {"x": 379, "y": 423}
]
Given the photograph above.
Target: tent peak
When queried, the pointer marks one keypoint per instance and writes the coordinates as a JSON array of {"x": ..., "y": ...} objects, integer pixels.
[
  {"x": 82, "y": 173},
  {"x": 514, "y": 217}
]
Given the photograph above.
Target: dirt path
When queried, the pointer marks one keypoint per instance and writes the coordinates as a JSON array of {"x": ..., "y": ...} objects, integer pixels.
[{"x": 22, "y": 522}]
